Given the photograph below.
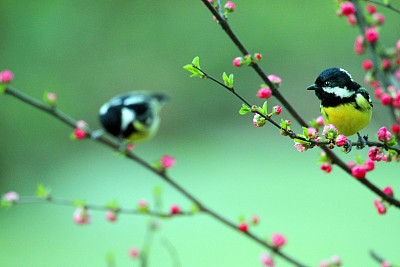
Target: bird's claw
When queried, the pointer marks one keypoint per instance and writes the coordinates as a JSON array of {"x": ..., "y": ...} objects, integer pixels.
[
  {"x": 96, "y": 134},
  {"x": 361, "y": 142},
  {"x": 348, "y": 146}
]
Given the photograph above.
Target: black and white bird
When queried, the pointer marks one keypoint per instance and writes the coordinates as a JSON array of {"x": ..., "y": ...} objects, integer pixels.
[{"x": 134, "y": 116}]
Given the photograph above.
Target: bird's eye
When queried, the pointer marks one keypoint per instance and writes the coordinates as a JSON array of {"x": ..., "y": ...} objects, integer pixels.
[{"x": 326, "y": 83}]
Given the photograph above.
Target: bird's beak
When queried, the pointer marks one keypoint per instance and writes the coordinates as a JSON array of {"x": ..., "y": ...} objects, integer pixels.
[{"x": 312, "y": 87}]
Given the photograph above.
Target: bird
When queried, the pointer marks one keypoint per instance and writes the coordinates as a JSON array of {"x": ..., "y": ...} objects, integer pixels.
[
  {"x": 344, "y": 103},
  {"x": 132, "y": 117}
]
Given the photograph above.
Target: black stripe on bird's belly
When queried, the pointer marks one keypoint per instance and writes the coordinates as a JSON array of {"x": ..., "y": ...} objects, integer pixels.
[
  {"x": 331, "y": 100},
  {"x": 129, "y": 131}
]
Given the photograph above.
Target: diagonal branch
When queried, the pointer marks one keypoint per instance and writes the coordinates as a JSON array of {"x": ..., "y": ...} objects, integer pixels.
[
  {"x": 116, "y": 146},
  {"x": 335, "y": 159},
  {"x": 388, "y": 5}
]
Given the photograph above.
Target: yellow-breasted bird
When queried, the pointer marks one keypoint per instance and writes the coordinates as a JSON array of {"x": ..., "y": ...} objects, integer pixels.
[
  {"x": 344, "y": 103},
  {"x": 133, "y": 116}
]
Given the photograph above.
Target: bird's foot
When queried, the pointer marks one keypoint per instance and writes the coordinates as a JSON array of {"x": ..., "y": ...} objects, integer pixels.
[
  {"x": 361, "y": 141},
  {"x": 348, "y": 146}
]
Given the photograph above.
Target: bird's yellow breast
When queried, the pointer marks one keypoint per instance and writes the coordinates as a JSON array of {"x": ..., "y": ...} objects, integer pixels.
[{"x": 347, "y": 119}]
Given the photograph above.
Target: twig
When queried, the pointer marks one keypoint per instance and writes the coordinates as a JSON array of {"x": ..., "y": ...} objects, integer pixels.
[
  {"x": 112, "y": 144},
  {"x": 388, "y": 5},
  {"x": 335, "y": 159},
  {"x": 65, "y": 202}
]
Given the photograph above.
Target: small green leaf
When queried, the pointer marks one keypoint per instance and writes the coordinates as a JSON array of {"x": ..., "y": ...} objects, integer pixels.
[
  {"x": 392, "y": 141},
  {"x": 245, "y": 109},
  {"x": 78, "y": 203},
  {"x": 265, "y": 108},
  {"x": 195, "y": 72},
  {"x": 41, "y": 191},
  {"x": 3, "y": 87},
  {"x": 5, "y": 204},
  {"x": 196, "y": 62},
  {"x": 157, "y": 191},
  {"x": 195, "y": 208},
  {"x": 261, "y": 111},
  {"x": 231, "y": 80},
  {"x": 242, "y": 218},
  {"x": 248, "y": 60},
  {"x": 359, "y": 160},
  {"x": 305, "y": 132},
  {"x": 112, "y": 205}
]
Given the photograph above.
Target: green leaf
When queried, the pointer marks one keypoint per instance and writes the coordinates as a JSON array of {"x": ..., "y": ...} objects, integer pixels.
[
  {"x": 228, "y": 81},
  {"x": 5, "y": 204},
  {"x": 157, "y": 191},
  {"x": 3, "y": 87},
  {"x": 242, "y": 218},
  {"x": 359, "y": 160},
  {"x": 261, "y": 110},
  {"x": 392, "y": 141},
  {"x": 231, "y": 80},
  {"x": 245, "y": 109},
  {"x": 195, "y": 72},
  {"x": 248, "y": 60},
  {"x": 196, "y": 62},
  {"x": 305, "y": 132},
  {"x": 265, "y": 108},
  {"x": 41, "y": 191},
  {"x": 112, "y": 205},
  {"x": 78, "y": 203},
  {"x": 195, "y": 208}
]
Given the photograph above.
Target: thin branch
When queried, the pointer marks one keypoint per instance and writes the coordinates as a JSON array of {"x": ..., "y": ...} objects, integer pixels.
[
  {"x": 388, "y": 5},
  {"x": 335, "y": 159},
  {"x": 112, "y": 144}
]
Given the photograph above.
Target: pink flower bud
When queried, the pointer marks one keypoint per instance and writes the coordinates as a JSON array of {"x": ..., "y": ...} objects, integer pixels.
[
  {"x": 330, "y": 131},
  {"x": 386, "y": 99},
  {"x": 255, "y": 219},
  {"x": 264, "y": 92},
  {"x": 359, "y": 45},
  {"x": 130, "y": 147},
  {"x": 229, "y": 6},
  {"x": 278, "y": 240},
  {"x": 258, "y": 120},
  {"x": 324, "y": 263},
  {"x": 326, "y": 167},
  {"x": 81, "y": 124},
  {"x": 258, "y": 56},
  {"x": 134, "y": 252},
  {"x": 381, "y": 208},
  {"x": 351, "y": 164},
  {"x": 167, "y": 161},
  {"x": 347, "y": 8},
  {"x": 51, "y": 97},
  {"x": 277, "y": 110},
  {"x": 11, "y": 197},
  {"x": 6, "y": 76},
  {"x": 320, "y": 120},
  {"x": 266, "y": 260},
  {"x": 174, "y": 209},
  {"x": 375, "y": 154},
  {"x": 388, "y": 191},
  {"x": 386, "y": 64},
  {"x": 371, "y": 9},
  {"x": 81, "y": 215},
  {"x": 359, "y": 171},
  {"x": 300, "y": 147},
  {"x": 79, "y": 133},
  {"x": 312, "y": 131},
  {"x": 378, "y": 93},
  {"x": 143, "y": 206},
  {"x": 237, "y": 62},
  {"x": 395, "y": 128},
  {"x": 385, "y": 264},
  {"x": 341, "y": 140},
  {"x": 371, "y": 35},
  {"x": 384, "y": 135},
  {"x": 369, "y": 165},
  {"x": 351, "y": 19},
  {"x": 275, "y": 80},
  {"x": 367, "y": 64},
  {"x": 379, "y": 18},
  {"x": 111, "y": 215},
  {"x": 336, "y": 261},
  {"x": 243, "y": 227}
]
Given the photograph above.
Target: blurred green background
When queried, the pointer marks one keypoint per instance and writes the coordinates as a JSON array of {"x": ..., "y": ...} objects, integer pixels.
[{"x": 88, "y": 51}]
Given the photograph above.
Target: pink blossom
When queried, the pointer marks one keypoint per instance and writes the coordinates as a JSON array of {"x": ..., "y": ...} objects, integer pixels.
[
  {"x": 347, "y": 8},
  {"x": 275, "y": 80},
  {"x": 142, "y": 203},
  {"x": 264, "y": 92},
  {"x": 312, "y": 131},
  {"x": 379, "y": 18},
  {"x": 258, "y": 56},
  {"x": 395, "y": 128},
  {"x": 324, "y": 263},
  {"x": 386, "y": 99},
  {"x": 351, "y": 164},
  {"x": 375, "y": 154},
  {"x": 81, "y": 215},
  {"x": 386, "y": 64},
  {"x": 278, "y": 240},
  {"x": 396, "y": 74},
  {"x": 359, "y": 45},
  {"x": 258, "y": 120},
  {"x": 255, "y": 219},
  {"x": 320, "y": 120},
  {"x": 378, "y": 92},
  {"x": 79, "y": 133},
  {"x": 371, "y": 9},
  {"x": 336, "y": 260},
  {"x": 388, "y": 191},
  {"x": 381, "y": 208},
  {"x": 237, "y": 62},
  {"x": 384, "y": 135},
  {"x": 341, "y": 140},
  {"x": 330, "y": 131},
  {"x": 385, "y": 264},
  {"x": 11, "y": 196},
  {"x": 230, "y": 6},
  {"x": 367, "y": 64},
  {"x": 243, "y": 227},
  {"x": 359, "y": 171},
  {"x": 174, "y": 209},
  {"x": 369, "y": 165},
  {"x": 52, "y": 97},
  {"x": 111, "y": 215},
  {"x": 326, "y": 167},
  {"x": 371, "y": 35},
  {"x": 130, "y": 147},
  {"x": 167, "y": 161},
  {"x": 300, "y": 147},
  {"x": 351, "y": 19},
  {"x": 266, "y": 260},
  {"x": 134, "y": 252},
  {"x": 81, "y": 124},
  {"x": 6, "y": 76},
  {"x": 277, "y": 110}
]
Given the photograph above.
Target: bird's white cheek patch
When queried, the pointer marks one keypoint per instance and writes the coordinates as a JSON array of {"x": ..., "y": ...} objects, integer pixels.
[
  {"x": 127, "y": 117},
  {"x": 338, "y": 91}
]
